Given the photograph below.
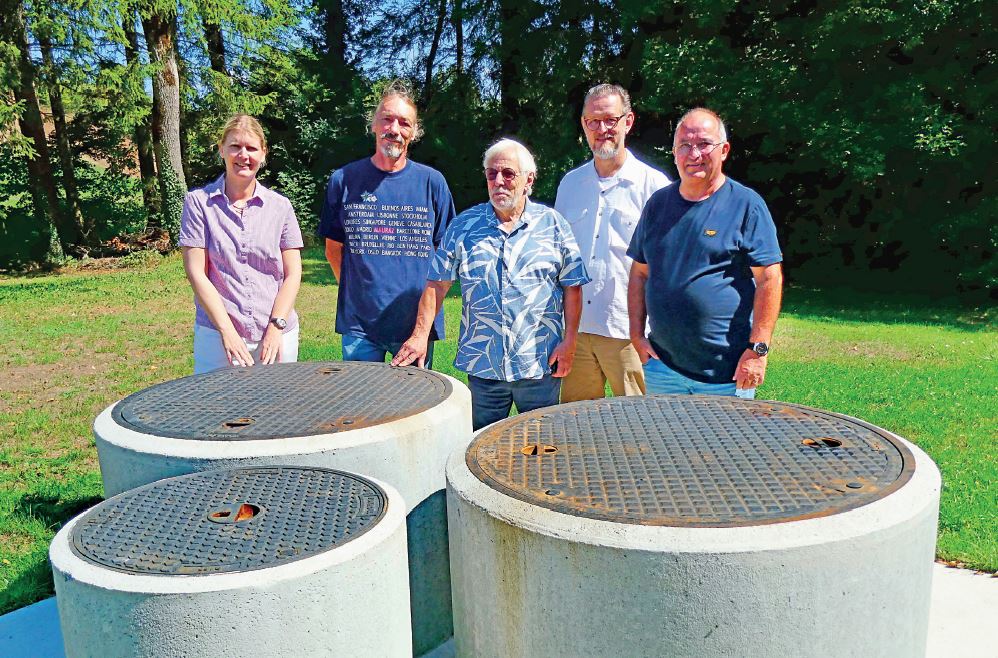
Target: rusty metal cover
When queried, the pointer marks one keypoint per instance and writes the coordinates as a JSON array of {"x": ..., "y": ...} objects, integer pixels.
[
  {"x": 281, "y": 400},
  {"x": 228, "y": 521},
  {"x": 701, "y": 461}
]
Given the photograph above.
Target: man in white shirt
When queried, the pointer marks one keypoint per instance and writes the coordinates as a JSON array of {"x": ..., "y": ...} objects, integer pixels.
[{"x": 602, "y": 200}]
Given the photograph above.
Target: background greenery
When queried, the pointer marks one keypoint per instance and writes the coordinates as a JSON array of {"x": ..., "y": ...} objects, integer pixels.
[
  {"x": 867, "y": 125},
  {"x": 84, "y": 339}
]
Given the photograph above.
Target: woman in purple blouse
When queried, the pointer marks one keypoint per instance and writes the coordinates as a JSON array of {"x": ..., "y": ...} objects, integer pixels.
[{"x": 241, "y": 245}]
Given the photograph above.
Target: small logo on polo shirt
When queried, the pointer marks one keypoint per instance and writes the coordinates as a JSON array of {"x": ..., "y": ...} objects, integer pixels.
[
  {"x": 710, "y": 233},
  {"x": 368, "y": 197}
]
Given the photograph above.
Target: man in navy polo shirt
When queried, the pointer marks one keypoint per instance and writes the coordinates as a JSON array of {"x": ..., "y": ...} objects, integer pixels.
[
  {"x": 382, "y": 219},
  {"x": 706, "y": 273}
]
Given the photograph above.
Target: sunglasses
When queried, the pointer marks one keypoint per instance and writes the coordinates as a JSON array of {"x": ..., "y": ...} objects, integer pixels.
[{"x": 508, "y": 175}]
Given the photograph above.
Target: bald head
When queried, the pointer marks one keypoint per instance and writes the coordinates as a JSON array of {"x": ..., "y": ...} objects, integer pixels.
[{"x": 698, "y": 114}]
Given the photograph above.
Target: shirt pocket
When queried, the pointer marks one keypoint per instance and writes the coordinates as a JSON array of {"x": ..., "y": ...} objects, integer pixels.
[{"x": 621, "y": 226}]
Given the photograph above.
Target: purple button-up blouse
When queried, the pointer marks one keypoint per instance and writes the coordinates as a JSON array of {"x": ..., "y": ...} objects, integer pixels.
[{"x": 243, "y": 252}]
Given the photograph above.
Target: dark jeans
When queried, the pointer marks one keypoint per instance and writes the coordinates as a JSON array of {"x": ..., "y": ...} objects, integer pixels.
[
  {"x": 491, "y": 400},
  {"x": 358, "y": 348}
]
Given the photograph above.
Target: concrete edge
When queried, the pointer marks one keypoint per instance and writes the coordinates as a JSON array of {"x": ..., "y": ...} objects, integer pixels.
[
  {"x": 64, "y": 560},
  {"x": 106, "y": 430},
  {"x": 920, "y": 495}
]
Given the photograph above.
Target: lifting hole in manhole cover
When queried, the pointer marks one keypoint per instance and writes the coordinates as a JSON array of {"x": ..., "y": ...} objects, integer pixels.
[
  {"x": 538, "y": 449},
  {"x": 822, "y": 442},
  {"x": 234, "y": 513},
  {"x": 237, "y": 423}
]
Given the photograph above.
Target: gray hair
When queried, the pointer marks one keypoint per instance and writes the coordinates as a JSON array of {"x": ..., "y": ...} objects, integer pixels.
[
  {"x": 523, "y": 156},
  {"x": 722, "y": 132},
  {"x": 402, "y": 90},
  {"x": 604, "y": 90}
]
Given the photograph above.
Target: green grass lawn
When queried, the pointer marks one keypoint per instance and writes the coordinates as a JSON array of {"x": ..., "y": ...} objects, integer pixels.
[{"x": 79, "y": 341}]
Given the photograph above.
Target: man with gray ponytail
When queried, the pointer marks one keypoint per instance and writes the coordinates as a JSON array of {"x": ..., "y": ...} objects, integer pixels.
[
  {"x": 382, "y": 219},
  {"x": 602, "y": 201},
  {"x": 521, "y": 275}
]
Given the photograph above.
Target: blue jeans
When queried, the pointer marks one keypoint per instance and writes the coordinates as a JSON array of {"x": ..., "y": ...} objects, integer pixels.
[
  {"x": 358, "y": 348},
  {"x": 660, "y": 378},
  {"x": 491, "y": 399}
]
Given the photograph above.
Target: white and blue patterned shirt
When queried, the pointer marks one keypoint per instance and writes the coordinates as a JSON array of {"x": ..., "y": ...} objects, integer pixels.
[{"x": 512, "y": 314}]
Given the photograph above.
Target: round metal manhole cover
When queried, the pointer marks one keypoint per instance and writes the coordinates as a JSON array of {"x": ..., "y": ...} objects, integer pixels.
[
  {"x": 698, "y": 461},
  {"x": 281, "y": 400},
  {"x": 228, "y": 521}
]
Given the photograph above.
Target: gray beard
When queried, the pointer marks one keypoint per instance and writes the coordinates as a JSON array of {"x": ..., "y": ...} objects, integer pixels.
[
  {"x": 606, "y": 153},
  {"x": 506, "y": 204},
  {"x": 391, "y": 150}
]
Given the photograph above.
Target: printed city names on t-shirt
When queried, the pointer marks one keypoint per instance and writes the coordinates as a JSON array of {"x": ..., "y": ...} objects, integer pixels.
[{"x": 377, "y": 229}]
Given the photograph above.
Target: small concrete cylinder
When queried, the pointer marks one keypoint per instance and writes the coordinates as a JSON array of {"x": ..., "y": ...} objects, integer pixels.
[
  {"x": 394, "y": 424},
  {"x": 690, "y": 526},
  {"x": 243, "y": 562}
]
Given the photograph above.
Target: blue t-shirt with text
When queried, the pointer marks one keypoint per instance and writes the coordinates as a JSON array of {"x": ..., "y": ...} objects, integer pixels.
[
  {"x": 390, "y": 224},
  {"x": 700, "y": 289}
]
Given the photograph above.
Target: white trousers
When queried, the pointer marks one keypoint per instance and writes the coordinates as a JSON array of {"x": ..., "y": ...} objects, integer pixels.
[{"x": 209, "y": 354}]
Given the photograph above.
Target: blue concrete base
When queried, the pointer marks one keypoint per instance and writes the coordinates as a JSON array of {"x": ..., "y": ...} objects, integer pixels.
[{"x": 32, "y": 632}]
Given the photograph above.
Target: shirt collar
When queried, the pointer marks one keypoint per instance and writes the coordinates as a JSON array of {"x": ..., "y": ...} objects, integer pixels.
[
  {"x": 525, "y": 217},
  {"x": 216, "y": 192},
  {"x": 628, "y": 173}
]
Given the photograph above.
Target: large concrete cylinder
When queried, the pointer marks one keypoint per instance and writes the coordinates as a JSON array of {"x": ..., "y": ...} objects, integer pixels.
[
  {"x": 690, "y": 526},
  {"x": 243, "y": 562},
  {"x": 394, "y": 424}
]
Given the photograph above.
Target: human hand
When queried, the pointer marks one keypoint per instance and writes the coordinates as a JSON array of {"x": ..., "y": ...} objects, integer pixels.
[
  {"x": 750, "y": 371},
  {"x": 271, "y": 346},
  {"x": 644, "y": 349},
  {"x": 235, "y": 349},
  {"x": 412, "y": 350},
  {"x": 562, "y": 358}
]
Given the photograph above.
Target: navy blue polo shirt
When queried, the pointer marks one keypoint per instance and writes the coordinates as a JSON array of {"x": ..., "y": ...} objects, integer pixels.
[{"x": 700, "y": 289}]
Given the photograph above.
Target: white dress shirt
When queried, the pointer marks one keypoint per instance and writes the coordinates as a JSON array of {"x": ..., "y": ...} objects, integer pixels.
[{"x": 603, "y": 213}]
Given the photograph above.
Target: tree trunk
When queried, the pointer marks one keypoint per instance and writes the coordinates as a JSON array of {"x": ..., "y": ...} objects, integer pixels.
[
  {"x": 216, "y": 47},
  {"x": 73, "y": 213},
  {"x": 334, "y": 25},
  {"x": 143, "y": 134},
  {"x": 335, "y": 33},
  {"x": 438, "y": 30},
  {"x": 44, "y": 195},
  {"x": 161, "y": 33},
  {"x": 457, "y": 19},
  {"x": 511, "y": 31}
]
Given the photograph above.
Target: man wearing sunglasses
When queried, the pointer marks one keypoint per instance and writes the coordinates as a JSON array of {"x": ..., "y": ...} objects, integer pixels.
[
  {"x": 382, "y": 219},
  {"x": 602, "y": 200},
  {"x": 521, "y": 276},
  {"x": 706, "y": 273}
]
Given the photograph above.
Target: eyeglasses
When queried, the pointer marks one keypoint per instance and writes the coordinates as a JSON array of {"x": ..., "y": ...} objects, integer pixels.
[
  {"x": 508, "y": 175},
  {"x": 597, "y": 124},
  {"x": 703, "y": 148}
]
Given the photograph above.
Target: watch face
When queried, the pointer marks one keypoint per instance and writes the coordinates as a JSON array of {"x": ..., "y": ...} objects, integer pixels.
[
  {"x": 280, "y": 323},
  {"x": 762, "y": 349}
]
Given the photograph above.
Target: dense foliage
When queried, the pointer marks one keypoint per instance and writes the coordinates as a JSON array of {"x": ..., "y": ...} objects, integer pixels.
[{"x": 864, "y": 123}]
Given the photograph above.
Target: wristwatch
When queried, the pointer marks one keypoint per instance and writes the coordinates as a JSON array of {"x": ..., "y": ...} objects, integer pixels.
[
  {"x": 762, "y": 349},
  {"x": 282, "y": 324}
]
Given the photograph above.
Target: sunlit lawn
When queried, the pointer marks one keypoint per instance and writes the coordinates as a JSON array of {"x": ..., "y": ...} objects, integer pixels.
[{"x": 77, "y": 342}]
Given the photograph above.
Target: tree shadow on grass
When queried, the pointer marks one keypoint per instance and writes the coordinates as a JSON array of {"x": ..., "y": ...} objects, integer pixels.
[
  {"x": 34, "y": 583},
  {"x": 53, "y": 510},
  {"x": 845, "y": 305},
  {"x": 31, "y": 585}
]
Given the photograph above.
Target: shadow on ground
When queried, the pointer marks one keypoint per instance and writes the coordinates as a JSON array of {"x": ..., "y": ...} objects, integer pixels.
[{"x": 843, "y": 305}]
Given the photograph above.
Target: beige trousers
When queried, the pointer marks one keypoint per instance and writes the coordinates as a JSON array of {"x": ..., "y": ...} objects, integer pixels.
[{"x": 599, "y": 359}]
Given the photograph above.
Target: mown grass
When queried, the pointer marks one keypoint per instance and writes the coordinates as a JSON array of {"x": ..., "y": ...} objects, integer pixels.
[{"x": 76, "y": 342}]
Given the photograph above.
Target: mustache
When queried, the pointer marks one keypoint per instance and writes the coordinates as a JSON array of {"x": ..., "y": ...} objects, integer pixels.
[{"x": 392, "y": 137}]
